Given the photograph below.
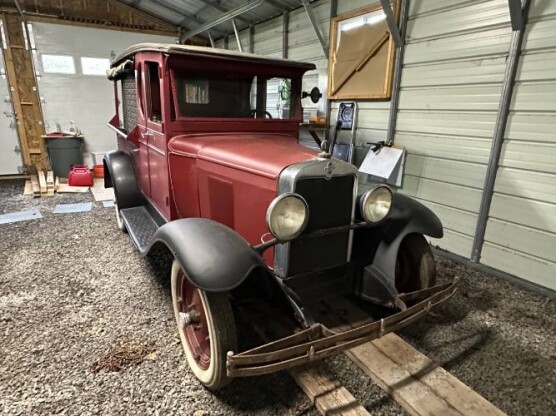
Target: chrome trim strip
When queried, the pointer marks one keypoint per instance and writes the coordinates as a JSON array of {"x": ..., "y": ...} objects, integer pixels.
[
  {"x": 316, "y": 168},
  {"x": 118, "y": 131}
]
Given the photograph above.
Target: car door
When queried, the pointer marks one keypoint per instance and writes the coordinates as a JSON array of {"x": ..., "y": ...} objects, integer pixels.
[{"x": 155, "y": 138}]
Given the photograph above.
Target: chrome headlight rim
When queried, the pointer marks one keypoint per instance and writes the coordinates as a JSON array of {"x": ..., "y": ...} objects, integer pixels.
[
  {"x": 273, "y": 205},
  {"x": 364, "y": 199}
]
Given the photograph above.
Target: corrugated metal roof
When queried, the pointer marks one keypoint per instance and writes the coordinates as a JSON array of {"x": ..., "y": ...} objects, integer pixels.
[{"x": 191, "y": 14}]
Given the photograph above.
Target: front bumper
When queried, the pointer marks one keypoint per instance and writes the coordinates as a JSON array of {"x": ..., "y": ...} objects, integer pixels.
[{"x": 318, "y": 341}]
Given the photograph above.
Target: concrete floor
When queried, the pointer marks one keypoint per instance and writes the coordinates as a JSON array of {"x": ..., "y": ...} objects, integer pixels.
[{"x": 72, "y": 287}]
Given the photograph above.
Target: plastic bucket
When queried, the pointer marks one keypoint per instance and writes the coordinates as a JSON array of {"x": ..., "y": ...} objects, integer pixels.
[
  {"x": 98, "y": 171},
  {"x": 64, "y": 152}
]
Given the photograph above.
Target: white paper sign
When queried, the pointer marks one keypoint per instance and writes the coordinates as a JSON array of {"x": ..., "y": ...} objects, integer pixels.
[
  {"x": 387, "y": 163},
  {"x": 58, "y": 64}
]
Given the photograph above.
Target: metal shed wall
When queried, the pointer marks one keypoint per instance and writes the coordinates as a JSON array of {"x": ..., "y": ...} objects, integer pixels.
[
  {"x": 454, "y": 63},
  {"x": 450, "y": 91},
  {"x": 521, "y": 231}
]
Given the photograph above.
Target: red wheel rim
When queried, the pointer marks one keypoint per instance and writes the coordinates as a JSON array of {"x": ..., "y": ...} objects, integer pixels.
[{"x": 196, "y": 334}]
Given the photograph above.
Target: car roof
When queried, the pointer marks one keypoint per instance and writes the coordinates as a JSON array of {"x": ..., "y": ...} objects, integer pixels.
[{"x": 197, "y": 51}]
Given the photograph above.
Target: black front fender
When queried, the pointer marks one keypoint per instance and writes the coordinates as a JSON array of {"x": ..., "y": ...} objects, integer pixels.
[
  {"x": 214, "y": 257},
  {"x": 119, "y": 173},
  {"x": 407, "y": 216}
]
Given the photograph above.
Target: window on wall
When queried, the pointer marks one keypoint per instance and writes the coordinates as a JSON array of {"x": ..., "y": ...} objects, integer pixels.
[
  {"x": 58, "y": 64},
  {"x": 94, "y": 66},
  {"x": 154, "y": 106}
]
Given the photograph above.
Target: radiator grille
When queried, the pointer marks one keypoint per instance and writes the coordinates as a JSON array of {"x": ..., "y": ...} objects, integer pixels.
[
  {"x": 129, "y": 103},
  {"x": 330, "y": 204}
]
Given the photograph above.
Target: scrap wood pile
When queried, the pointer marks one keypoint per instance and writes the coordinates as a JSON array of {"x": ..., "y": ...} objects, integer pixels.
[
  {"x": 43, "y": 184},
  {"x": 127, "y": 352}
]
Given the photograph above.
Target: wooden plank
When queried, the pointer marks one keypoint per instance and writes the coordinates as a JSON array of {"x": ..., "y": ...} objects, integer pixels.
[
  {"x": 420, "y": 385},
  {"x": 23, "y": 87},
  {"x": 444, "y": 384},
  {"x": 28, "y": 188},
  {"x": 327, "y": 394},
  {"x": 36, "y": 187},
  {"x": 16, "y": 101},
  {"x": 42, "y": 180},
  {"x": 50, "y": 183},
  {"x": 65, "y": 188}
]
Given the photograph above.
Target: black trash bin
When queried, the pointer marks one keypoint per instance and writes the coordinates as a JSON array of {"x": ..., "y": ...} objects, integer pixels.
[{"x": 64, "y": 151}]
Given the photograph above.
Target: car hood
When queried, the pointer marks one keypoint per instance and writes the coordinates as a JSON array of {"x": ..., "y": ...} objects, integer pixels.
[{"x": 263, "y": 154}]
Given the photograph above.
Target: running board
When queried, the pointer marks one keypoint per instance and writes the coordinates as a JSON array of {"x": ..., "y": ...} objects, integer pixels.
[{"x": 142, "y": 223}]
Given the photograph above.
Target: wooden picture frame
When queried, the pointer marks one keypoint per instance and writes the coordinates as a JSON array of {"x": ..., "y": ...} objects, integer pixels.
[{"x": 362, "y": 53}]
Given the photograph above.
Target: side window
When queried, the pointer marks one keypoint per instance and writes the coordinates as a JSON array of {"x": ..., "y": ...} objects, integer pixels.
[{"x": 154, "y": 107}]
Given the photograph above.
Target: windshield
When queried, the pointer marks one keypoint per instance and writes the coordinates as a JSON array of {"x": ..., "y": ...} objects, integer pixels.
[{"x": 232, "y": 96}]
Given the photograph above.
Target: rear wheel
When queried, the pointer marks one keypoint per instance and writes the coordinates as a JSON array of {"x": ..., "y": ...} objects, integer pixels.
[
  {"x": 206, "y": 328},
  {"x": 415, "y": 268}
]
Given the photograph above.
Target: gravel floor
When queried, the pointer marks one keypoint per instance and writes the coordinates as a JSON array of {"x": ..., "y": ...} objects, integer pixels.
[{"x": 72, "y": 289}]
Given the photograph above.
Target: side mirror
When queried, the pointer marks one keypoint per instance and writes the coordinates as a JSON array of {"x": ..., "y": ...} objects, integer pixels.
[{"x": 315, "y": 95}]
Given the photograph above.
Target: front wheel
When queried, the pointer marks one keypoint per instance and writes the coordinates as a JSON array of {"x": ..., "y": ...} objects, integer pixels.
[
  {"x": 206, "y": 327},
  {"x": 415, "y": 268}
]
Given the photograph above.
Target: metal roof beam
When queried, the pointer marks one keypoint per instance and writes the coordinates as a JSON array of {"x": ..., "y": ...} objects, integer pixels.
[
  {"x": 311, "y": 15},
  {"x": 211, "y": 39},
  {"x": 182, "y": 13},
  {"x": 238, "y": 40},
  {"x": 392, "y": 24},
  {"x": 218, "y": 7},
  {"x": 223, "y": 18},
  {"x": 280, "y": 4},
  {"x": 516, "y": 14}
]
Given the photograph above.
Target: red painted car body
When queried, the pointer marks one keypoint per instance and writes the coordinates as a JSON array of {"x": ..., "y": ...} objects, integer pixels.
[
  {"x": 209, "y": 162},
  {"x": 219, "y": 168}
]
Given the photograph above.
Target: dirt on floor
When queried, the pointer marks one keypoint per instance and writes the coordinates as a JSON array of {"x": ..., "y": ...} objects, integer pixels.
[{"x": 87, "y": 328}]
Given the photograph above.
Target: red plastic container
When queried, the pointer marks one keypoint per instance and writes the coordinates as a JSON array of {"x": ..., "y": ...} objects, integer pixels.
[
  {"x": 98, "y": 171},
  {"x": 80, "y": 176}
]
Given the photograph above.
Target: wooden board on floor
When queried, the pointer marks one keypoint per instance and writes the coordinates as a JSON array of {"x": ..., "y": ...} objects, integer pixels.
[
  {"x": 65, "y": 188},
  {"x": 28, "y": 188},
  {"x": 100, "y": 193},
  {"x": 42, "y": 181},
  {"x": 327, "y": 394},
  {"x": 50, "y": 183},
  {"x": 35, "y": 186},
  {"x": 417, "y": 383}
]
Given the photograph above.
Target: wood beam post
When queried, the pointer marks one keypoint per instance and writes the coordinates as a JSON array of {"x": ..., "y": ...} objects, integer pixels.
[{"x": 23, "y": 86}]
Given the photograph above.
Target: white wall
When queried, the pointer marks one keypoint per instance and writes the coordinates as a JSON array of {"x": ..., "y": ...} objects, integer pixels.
[{"x": 88, "y": 100}]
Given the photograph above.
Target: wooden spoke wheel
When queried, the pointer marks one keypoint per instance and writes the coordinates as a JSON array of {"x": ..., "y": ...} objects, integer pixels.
[
  {"x": 415, "y": 268},
  {"x": 206, "y": 328}
]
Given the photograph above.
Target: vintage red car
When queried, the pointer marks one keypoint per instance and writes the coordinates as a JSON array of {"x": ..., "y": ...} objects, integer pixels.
[{"x": 209, "y": 166}]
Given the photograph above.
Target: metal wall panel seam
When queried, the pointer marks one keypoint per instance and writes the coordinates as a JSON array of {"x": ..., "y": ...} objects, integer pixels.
[
  {"x": 394, "y": 101},
  {"x": 500, "y": 128}
]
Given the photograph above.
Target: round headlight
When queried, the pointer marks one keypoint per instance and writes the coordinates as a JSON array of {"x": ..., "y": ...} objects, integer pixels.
[
  {"x": 287, "y": 216},
  {"x": 375, "y": 204}
]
